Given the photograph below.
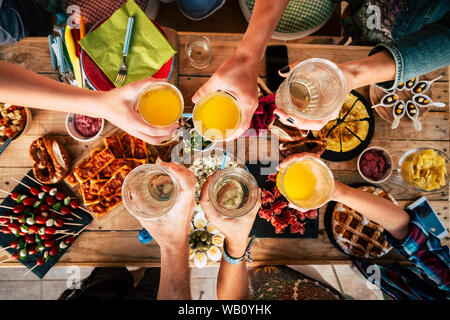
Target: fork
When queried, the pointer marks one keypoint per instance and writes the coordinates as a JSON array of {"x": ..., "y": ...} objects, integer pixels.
[{"x": 120, "y": 78}]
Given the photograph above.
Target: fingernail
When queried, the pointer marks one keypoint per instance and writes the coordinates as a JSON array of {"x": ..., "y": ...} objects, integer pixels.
[{"x": 285, "y": 69}]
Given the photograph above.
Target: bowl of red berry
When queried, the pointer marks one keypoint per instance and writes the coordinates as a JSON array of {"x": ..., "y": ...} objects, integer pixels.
[{"x": 375, "y": 165}]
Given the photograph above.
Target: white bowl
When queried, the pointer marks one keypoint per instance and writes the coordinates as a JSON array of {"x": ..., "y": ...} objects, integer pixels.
[
  {"x": 388, "y": 159},
  {"x": 70, "y": 127}
]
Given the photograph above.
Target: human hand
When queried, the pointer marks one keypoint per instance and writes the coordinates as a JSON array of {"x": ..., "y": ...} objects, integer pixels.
[
  {"x": 119, "y": 107},
  {"x": 283, "y": 164},
  {"x": 172, "y": 229},
  {"x": 236, "y": 230},
  {"x": 237, "y": 76}
]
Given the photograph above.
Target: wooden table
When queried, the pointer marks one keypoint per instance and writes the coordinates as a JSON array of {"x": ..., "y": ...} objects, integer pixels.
[{"x": 115, "y": 243}]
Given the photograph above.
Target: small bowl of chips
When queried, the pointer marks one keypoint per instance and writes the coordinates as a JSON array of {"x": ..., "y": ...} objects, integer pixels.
[{"x": 425, "y": 169}]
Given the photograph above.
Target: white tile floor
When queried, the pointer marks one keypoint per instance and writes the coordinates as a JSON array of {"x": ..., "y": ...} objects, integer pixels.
[{"x": 13, "y": 285}]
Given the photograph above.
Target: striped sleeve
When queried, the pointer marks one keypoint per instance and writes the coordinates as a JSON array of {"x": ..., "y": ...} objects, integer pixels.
[{"x": 425, "y": 251}]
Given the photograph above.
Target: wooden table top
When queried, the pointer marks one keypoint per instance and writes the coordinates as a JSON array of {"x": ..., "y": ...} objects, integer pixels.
[{"x": 114, "y": 242}]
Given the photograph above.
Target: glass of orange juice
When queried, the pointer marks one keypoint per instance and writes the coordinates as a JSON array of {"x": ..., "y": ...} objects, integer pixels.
[
  {"x": 306, "y": 182},
  {"x": 217, "y": 116},
  {"x": 160, "y": 104}
]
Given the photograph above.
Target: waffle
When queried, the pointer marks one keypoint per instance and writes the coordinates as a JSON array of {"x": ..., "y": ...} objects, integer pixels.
[{"x": 357, "y": 235}]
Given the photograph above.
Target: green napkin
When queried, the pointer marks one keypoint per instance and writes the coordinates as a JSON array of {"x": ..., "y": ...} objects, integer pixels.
[{"x": 149, "y": 49}]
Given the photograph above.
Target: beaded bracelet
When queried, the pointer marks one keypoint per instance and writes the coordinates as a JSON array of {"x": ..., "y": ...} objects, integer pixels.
[{"x": 246, "y": 257}]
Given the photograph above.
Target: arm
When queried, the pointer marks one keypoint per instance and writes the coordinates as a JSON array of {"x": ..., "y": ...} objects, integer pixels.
[
  {"x": 23, "y": 87},
  {"x": 391, "y": 217},
  {"x": 237, "y": 289},
  {"x": 171, "y": 232},
  {"x": 232, "y": 281},
  {"x": 420, "y": 52},
  {"x": 238, "y": 74}
]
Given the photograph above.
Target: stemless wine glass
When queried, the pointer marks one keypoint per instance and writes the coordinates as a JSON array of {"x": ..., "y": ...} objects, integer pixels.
[
  {"x": 199, "y": 51},
  {"x": 315, "y": 89},
  {"x": 149, "y": 191},
  {"x": 321, "y": 188},
  {"x": 233, "y": 192}
]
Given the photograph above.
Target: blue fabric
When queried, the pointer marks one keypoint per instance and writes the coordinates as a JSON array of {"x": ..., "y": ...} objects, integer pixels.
[
  {"x": 11, "y": 26},
  {"x": 420, "y": 40},
  {"x": 144, "y": 236},
  {"x": 198, "y": 9}
]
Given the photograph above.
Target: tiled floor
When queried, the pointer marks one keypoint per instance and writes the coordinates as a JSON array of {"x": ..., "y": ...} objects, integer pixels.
[{"x": 13, "y": 285}]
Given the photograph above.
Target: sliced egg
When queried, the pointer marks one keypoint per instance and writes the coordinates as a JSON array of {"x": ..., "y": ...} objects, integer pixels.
[
  {"x": 212, "y": 229},
  {"x": 200, "y": 220},
  {"x": 200, "y": 259},
  {"x": 217, "y": 240},
  {"x": 191, "y": 227},
  {"x": 214, "y": 253},
  {"x": 191, "y": 253}
]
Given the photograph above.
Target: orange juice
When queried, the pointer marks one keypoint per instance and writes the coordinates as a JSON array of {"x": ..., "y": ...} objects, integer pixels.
[
  {"x": 161, "y": 104},
  {"x": 216, "y": 116},
  {"x": 299, "y": 182},
  {"x": 307, "y": 183}
]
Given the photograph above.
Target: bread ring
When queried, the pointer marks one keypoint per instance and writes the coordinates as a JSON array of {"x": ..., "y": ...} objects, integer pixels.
[{"x": 51, "y": 160}]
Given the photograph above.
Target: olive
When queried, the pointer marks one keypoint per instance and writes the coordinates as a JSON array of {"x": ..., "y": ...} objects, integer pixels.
[
  {"x": 191, "y": 243},
  {"x": 204, "y": 236}
]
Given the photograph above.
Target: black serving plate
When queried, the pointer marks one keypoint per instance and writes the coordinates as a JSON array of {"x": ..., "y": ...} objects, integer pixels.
[
  {"x": 344, "y": 156},
  {"x": 6, "y": 239},
  {"x": 264, "y": 229},
  {"x": 329, "y": 215}
]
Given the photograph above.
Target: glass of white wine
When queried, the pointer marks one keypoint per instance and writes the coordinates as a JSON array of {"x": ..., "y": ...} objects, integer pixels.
[
  {"x": 199, "y": 51},
  {"x": 149, "y": 191}
]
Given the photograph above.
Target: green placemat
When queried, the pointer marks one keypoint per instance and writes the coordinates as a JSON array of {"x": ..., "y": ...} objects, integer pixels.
[
  {"x": 149, "y": 48},
  {"x": 301, "y": 15}
]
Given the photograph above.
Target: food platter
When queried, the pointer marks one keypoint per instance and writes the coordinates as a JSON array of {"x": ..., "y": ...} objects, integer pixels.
[
  {"x": 101, "y": 191},
  {"x": 79, "y": 220},
  {"x": 8, "y": 117},
  {"x": 351, "y": 133}
]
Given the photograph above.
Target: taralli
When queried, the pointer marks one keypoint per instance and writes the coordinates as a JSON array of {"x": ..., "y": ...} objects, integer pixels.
[{"x": 51, "y": 160}]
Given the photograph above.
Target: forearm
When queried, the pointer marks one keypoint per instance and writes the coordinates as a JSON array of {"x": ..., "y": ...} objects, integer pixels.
[
  {"x": 263, "y": 22},
  {"x": 232, "y": 280},
  {"x": 379, "y": 67},
  {"x": 23, "y": 87},
  {"x": 391, "y": 217},
  {"x": 175, "y": 276}
]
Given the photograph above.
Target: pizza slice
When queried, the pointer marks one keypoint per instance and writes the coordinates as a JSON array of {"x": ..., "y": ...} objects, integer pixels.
[
  {"x": 114, "y": 185},
  {"x": 348, "y": 139},
  {"x": 140, "y": 149},
  {"x": 114, "y": 144},
  {"x": 96, "y": 185},
  {"x": 88, "y": 198},
  {"x": 95, "y": 164},
  {"x": 359, "y": 128},
  {"x": 104, "y": 206},
  {"x": 127, "y": 145},
  {"x": 115, "y": 166}
]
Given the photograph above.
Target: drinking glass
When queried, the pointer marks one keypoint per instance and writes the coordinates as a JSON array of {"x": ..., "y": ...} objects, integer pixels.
[
  {"x": 315, "y": 89},
  {"x": 199, "y": 51},
  {"x": 149, "y": 191},
  {"x": 233, "y": 192},
  {"x": 323, "y": 188}
]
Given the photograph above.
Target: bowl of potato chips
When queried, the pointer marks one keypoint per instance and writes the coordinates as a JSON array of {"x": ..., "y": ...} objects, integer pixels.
[{"x": 425, "y": 169}]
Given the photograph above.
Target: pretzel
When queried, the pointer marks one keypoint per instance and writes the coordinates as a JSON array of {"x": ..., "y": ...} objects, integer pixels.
[
  {"x": 51, "y": 160},
  {"x": 288, "y": 148}
]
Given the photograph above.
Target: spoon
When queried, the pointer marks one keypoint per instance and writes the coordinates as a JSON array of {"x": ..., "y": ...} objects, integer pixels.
[
  {"x": 423, "y": 101},
  {"x": 413, "y": 113},
  {"x": 398, "y": 112},
  {"x": 424, "y": 85},
  {"x": 411, "y": 83},
  {"x": 388, "y": 101}
]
